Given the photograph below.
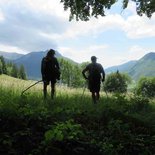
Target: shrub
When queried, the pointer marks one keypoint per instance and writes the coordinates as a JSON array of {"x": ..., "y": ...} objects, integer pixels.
[
  {"x": 68, "y": 130},
  {"x": 146, "y": 87},
  {"x": 117, "y": 82}
]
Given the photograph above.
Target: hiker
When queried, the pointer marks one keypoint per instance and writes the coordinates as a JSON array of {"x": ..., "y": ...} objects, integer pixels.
[
  {"x": 96, "y": 74},
  {"x": 50, "y": 72}
]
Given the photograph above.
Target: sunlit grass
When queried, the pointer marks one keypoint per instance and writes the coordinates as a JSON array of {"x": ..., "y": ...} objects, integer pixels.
[{"x": 68, "y": 101}]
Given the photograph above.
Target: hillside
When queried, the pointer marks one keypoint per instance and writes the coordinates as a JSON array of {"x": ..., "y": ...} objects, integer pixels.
[
  {"x": 71, "y": 124},
  {"x": 10, "y": 56},
  {"x": 138, "y": 68},
  {"x": 32, "y": 63},
  {"x": 122, "y": 68},
  {"x": 144, "y": 67}
]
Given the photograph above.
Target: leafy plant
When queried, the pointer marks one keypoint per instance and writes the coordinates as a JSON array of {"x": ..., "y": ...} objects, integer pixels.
[
  {"x": 146, "y": 87},
  {"x": 67, "y": 130},
  {"x": 116, "y": 82}
]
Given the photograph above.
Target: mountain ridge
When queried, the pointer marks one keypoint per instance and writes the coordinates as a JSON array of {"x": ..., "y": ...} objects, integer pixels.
[
  {"x": 11, "y": 55},
  {"x": 32, "y": 63},
  {"x": 122, "y": 67},
  {"x": 135, "y": 68},
  {"x": 138, "y": 68},
  {"x": 143, "y": 67}
]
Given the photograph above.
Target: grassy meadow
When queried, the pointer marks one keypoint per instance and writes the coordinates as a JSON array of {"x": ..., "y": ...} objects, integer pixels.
[{"x": 71, "y": 123}]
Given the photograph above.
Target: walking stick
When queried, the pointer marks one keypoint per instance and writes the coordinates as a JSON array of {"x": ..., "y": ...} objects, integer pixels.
[
  {"x": 30, "y": 87},
  {"x": 84, "y": 90}
]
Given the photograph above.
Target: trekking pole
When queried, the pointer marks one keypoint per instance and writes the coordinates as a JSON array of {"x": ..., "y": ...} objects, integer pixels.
[
  {"x": 30, "y": 87},
  {"x": 84, "y": 90},
  {"x": 105, "y": 92}
]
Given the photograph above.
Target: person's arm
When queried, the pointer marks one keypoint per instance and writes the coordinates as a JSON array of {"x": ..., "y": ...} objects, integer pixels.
[
  {"x": 103, "y": 76},
  {"x": 57, "y": 64},
  {"x": 84, "y": 71},
  {"x": 103, "y": 73},
  {"x": 43, "y": 67}
]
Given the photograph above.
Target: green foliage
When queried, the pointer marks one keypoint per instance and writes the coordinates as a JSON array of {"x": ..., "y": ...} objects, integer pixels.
[
  {"x": 144, "y": 66},
  {"x": 67, "y": 130},
  {"x": 146, "y": 87},
  {"x": 3, "y": 65},
  {"x": 139, "y": 104},
  {"x": 116, "y": 82},
  {"x": 11, "y": 69},
  {"x": 1, "y": 71},
  {"x": 14, "y": 71},
  {"x": 71, "y": 74},
  {"x": 22, "y": 74},
  {"x": 68, "y": 124},
  {"x": 84, "y": 9}
]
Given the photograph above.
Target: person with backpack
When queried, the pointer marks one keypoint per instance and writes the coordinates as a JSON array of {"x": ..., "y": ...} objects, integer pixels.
[
  {"x": 50, "y": 71},
  {"x": 96, "y": 74}
]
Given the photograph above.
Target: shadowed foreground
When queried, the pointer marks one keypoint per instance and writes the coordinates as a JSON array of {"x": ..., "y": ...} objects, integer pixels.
[{"x": 71, "y": 124}]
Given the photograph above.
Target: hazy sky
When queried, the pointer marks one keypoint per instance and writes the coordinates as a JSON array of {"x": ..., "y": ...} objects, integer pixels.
[{"x": 36, "y": 25}]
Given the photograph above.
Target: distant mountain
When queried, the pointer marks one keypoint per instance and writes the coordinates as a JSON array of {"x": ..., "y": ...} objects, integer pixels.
[
  {"x": 32, "y": 63},
  {"x": 10, "y": 56},
  {"x": 144, "y": 67},
  {"x": 122, "y": 68},
  {"x": 136, "y": 69}
]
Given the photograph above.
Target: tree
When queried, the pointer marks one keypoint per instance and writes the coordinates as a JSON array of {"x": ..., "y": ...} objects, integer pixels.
[
  {"x": 66, "y": 71},
  {"x": 22, "y": 74},
  {"x": 117, "y": 82},
  {"x": 84, "y": 9},
  {"x": 77, "y": 79},
  {"x": 146, "y": 87},
  {"x": 4, "y": 69},
  {"x": 1, "y": 67},
  {"x": 71, "y": 73},
  {"x": 9, "y": 67},
  {"x": 14, "y": 72}
]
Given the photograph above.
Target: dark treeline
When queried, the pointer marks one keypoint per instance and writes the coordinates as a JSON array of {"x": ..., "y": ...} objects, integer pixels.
[{"x": 11, "y": 69}]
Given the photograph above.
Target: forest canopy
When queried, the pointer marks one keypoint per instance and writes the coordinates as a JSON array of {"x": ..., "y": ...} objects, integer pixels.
[{"x": 85, "y": 9}]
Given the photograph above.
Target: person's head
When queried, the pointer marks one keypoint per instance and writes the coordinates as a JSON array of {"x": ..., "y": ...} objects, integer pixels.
[
  {"x": 94, "y": 59},
  {"x": 50, "y": 53}
]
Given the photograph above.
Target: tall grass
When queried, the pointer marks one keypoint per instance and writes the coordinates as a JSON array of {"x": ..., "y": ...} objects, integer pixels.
[{"x": 118, "y": 124}]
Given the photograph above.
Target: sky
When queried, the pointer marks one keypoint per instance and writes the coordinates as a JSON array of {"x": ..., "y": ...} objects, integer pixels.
[{"x": 37, "y": 25}]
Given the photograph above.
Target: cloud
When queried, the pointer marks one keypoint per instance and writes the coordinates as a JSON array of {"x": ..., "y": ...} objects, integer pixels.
[
  {"x": 134, "y": 27},
  {"x": 1, "y": 16},
  {"x": 100, "y": 51},
  {"x": 92, "y": 27},
  {"x": 49, "y": 7},
  {"x": 137, "y": 27},
  {"x": 136, "y": 52},
  {"x": 11, "y": 49},
  {"x": 42, "y": 24},
  {"x": 23, "y": 27}
]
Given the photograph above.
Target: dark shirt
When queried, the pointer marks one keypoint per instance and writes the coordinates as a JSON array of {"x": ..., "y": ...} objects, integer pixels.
[
  {"x": 49, "y": 68},
  {"x": 94, "y": 71},
  {"x": 94, "y": 76}
]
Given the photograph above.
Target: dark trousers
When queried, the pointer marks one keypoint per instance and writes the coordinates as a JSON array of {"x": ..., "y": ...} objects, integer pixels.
[{"x": 45, "y": 84}]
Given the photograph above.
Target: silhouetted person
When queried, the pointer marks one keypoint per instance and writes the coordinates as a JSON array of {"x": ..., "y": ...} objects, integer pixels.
[
  {"x": 50, "y": 72},
  {"x": 95, "y": 75}
]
